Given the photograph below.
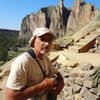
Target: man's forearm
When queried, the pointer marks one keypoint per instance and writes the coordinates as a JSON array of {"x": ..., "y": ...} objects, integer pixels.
[
  {"x": 46, "y": 84},
  {"x": 24, "y": 93}
]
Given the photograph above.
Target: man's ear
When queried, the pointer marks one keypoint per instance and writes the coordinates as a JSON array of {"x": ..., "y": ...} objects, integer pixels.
[{"x": 32, "y": 44}]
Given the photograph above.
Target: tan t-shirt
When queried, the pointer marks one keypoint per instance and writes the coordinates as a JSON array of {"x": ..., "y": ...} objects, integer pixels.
[{"x": 25, "y": 71}]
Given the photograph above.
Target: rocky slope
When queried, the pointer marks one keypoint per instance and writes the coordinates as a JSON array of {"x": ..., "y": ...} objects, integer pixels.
[{"x": 80, "y": 73}]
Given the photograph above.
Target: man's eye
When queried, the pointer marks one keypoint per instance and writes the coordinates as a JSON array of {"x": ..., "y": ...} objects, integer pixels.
[{"x": 43, "y": 39}]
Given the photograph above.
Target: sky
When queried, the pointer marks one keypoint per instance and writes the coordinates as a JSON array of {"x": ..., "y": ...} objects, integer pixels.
[{"x": 13, "y": 11}]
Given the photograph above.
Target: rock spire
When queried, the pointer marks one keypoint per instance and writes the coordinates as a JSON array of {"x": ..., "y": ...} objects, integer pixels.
[{"x": 60, "y": 4}]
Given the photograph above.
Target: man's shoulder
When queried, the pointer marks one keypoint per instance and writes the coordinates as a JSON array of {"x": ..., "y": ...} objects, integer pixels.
[{"x": 23, "y": 57}]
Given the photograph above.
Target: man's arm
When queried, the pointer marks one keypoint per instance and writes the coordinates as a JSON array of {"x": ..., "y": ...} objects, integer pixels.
[{"x": 46, "y": 84}]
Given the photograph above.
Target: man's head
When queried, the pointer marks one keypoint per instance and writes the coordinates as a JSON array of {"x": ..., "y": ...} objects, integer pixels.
[{"x": 42, "y": 39}]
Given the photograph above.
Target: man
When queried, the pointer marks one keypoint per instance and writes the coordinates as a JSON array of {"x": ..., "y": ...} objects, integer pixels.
[{"x": 26, "y": 80}]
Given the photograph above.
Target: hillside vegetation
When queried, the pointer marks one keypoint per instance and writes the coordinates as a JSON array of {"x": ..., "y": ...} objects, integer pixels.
[{"x": 9, "y": 44}]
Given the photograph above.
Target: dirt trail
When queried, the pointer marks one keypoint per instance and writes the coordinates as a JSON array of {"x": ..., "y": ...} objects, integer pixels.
[{"x": 92, "y": 58}]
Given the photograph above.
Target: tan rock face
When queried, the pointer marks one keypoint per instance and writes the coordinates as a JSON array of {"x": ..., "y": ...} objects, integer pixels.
[
  {"x": 51, "y": 17},
  {"x": 81, "y": 14},
  {"x": 59, "y": 19}
]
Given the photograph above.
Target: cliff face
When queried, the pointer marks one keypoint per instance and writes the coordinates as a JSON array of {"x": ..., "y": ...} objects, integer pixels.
[
  {"x": 59, "y": 19},
  {"x": 54, "y": 18},
  {"x": 81, "y": 14}
]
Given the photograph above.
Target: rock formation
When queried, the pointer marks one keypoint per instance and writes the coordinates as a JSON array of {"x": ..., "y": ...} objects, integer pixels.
[
  {"x": 81, "y": 14},
  {"x": 52, "y": 17},
  {"x": 59, "y": 19}
]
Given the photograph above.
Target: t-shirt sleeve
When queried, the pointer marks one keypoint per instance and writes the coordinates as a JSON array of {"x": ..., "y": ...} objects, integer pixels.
[{"x": 18, "y": 75}]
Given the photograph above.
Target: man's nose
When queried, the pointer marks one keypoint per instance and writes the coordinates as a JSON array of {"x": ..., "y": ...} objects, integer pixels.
[{"x": 47, "y": 43}]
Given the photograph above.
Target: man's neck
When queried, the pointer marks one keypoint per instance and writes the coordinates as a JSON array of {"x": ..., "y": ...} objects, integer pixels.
[{"x": 38, "y": 54}]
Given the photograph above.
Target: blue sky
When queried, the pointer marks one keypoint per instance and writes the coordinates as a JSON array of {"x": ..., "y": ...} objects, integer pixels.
[{"x": 13, "y": 11}]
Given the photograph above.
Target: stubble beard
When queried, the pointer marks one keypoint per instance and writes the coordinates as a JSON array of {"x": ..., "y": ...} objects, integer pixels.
[{"x": 43, "y": 52}]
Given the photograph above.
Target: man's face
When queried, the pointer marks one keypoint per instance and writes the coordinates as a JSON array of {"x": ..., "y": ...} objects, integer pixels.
[{"x": 43, "y": 43}]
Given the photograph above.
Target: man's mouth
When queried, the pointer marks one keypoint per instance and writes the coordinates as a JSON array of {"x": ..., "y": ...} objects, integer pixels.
[{"x": 45, "y": 47}]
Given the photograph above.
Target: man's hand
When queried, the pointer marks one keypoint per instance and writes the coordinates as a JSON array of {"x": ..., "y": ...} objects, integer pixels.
[{"x": 48, "y": 83}]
